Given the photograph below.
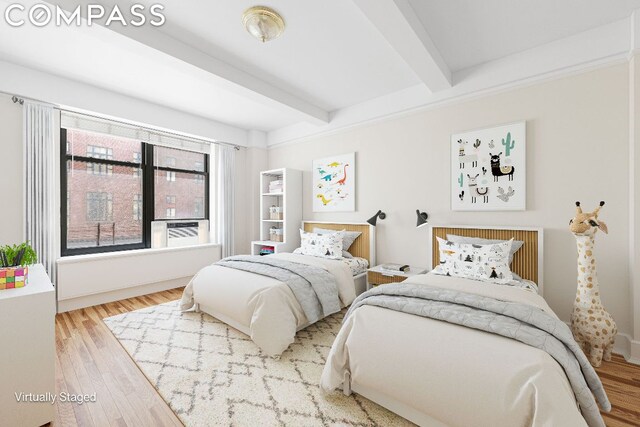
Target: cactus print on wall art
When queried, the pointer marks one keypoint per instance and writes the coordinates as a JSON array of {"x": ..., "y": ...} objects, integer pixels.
[{"x": 488, "y": 169}]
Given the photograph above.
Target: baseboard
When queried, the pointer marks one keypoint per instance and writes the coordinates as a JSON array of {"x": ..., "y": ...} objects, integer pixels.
[
  {"x": 627, "y": 347},
  {"x": 120, "y": 294}
]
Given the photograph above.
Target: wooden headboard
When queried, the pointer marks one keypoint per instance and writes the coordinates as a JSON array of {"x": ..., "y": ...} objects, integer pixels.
[
  {"x": 527, "y": 262},
  {"x": 364, "y": 246}
]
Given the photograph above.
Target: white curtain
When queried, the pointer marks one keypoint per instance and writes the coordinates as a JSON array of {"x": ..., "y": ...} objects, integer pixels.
[
  {"x": 225, "y": 197},
  {"x": 39, "y": 183}
]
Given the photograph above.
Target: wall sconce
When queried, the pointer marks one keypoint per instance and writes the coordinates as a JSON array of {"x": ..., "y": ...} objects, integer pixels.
[
  {"x": 374, "y": 219},
  {"x": 422, "y": 218}
]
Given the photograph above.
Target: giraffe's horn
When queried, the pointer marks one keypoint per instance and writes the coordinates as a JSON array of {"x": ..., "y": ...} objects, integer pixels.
[
  {"x": 597, "y": 210},
  {"x": 578, "y": 208}
]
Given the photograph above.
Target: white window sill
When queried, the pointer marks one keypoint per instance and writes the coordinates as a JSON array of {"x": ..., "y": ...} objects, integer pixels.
[{"x": 132, "y": 253}]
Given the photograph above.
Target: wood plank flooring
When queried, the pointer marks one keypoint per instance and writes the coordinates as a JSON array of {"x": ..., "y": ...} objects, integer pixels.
[{"x": 90, "y": 359}]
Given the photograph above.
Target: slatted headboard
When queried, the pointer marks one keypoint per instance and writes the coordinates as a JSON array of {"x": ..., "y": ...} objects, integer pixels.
[
  {"x": 527, "y": 262},
  {"x": 364, "y": 246}
]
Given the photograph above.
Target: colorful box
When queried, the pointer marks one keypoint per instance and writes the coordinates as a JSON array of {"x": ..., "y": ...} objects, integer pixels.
[{"x": 13, "y": 277}]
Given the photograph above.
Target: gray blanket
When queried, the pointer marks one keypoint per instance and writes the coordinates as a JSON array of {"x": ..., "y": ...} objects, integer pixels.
[
  {"x": 522, "y": 322},
  {"x": 315, "y": 288}
]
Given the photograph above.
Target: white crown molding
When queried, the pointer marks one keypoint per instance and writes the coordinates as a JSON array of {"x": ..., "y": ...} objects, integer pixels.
[{"x": 599, "y": 47}]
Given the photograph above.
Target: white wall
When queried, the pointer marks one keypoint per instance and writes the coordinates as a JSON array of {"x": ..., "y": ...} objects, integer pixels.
[
  {"x": 249, "y": 162},
  {"x": 11, "y": 167},
  {"x": 577, "y": 148},
  {"x": 634, "y": 199}
]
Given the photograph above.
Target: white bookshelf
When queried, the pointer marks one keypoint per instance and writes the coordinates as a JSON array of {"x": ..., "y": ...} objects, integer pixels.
[{"x": 290, "y": 199}]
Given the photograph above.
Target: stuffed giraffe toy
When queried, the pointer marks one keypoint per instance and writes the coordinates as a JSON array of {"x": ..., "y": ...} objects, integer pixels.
[{"x": 593, "y": 328}]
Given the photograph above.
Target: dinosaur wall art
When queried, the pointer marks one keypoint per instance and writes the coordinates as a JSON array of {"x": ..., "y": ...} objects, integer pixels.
[{"x": 334, "y": 183}]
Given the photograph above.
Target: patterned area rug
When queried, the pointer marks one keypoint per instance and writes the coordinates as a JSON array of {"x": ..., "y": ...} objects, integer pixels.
[{"x": 213, "y": 375}]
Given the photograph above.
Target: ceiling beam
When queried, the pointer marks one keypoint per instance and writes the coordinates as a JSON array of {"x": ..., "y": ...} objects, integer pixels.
[
  {"x": 227, "y": 76},
  {"x": 399, "y": 24}
]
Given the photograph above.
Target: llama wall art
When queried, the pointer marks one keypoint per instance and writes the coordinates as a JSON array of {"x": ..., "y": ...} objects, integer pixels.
[{"x": 490, "y": 164}]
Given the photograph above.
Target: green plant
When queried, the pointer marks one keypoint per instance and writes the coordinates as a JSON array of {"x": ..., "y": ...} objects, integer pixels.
[
  {"x": 508, "y": 144},
  {"x": 15, "y": 255}
]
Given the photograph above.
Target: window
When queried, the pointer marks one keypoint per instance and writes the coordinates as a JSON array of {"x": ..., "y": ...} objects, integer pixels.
[
  {"x": 114, "y": 187},
  {"x": 137, "y": 207},
  {"x": 198, "y": 208},
  {"x": 188, "y": 178},
  {"x": 99, "y": 207},
  {"x": 137, "y": 158},
  {"x": 99, "y": 153}
]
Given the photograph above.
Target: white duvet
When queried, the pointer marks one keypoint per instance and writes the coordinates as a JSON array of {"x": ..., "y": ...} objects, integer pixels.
[
  {"x": 259, "y": 306},
  {"x": 437, "y": 373}
]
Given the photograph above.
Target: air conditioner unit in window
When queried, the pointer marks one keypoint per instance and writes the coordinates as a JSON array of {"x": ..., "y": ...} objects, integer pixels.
[{"x": 174, "y": 234}]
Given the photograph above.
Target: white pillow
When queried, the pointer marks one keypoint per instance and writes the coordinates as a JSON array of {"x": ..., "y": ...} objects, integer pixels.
[
  {"x": 321, "y": 245},
  {"x": 348, "y": 237},
  {"x": 515, "y": 246},
  {"x": 345, "y": 254},
  {"x": 488, "y": 263}
]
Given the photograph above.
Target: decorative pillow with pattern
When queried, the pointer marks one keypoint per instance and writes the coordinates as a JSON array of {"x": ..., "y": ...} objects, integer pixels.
[
  {"x": 488, "y": 263},
  {"x": 321, "y": 245}
]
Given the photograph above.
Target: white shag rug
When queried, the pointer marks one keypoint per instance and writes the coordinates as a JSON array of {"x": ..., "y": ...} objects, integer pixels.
[{"x": 213, "y": 375}]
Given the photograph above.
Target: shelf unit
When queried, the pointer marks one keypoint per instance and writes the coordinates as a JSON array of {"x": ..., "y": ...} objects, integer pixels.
[{"x": 290, "y": 199}]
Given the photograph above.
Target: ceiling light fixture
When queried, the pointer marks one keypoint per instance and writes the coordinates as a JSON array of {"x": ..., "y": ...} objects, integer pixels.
[{"x": 263, "y": 23}]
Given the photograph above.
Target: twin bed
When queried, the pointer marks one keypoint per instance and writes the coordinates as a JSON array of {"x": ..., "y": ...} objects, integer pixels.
[
  {"x": 266, "y": 308},
  {"x": 435, "y": 349}
]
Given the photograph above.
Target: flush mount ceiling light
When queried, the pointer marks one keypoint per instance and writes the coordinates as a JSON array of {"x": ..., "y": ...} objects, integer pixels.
[{"x": 263, "y": 23}]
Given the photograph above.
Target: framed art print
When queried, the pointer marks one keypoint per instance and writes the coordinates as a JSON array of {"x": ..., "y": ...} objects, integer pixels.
[
  {"x": 488, "y": 169},
  {"x": 334, "y": 184}
]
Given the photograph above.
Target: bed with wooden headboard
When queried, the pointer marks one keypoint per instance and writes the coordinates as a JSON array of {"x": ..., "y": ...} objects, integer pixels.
[
  {"x": 364, "y": 246},
  {"x": 527, "y": 262},
  {"x": 437, "y": 357}
]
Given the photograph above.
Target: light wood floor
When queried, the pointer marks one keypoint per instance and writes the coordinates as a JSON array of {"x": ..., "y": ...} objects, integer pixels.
[{"x": 90, "y": 359}]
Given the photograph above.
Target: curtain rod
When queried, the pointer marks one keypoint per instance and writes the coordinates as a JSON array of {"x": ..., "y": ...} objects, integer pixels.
[{"x": 17, "y": 99}]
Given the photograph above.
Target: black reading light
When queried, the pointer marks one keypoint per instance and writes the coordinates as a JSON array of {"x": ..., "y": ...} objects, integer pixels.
[
  {"x": 374, "y": 219},
  {"x": 422, "y": 218}
]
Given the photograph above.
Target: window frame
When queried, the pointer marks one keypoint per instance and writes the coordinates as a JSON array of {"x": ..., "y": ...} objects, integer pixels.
[{"x": 148, "y": 169}]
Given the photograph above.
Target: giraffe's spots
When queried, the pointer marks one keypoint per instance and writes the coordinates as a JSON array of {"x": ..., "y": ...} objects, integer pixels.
[
  {"x": 607, "y": 322},
  {"x": 593, "y": 261},
  {"x": 589, "y": 253},
  {"x": 577, "y": 299},
  {"x": 590, "y": 285},
  {"x": 593, "y": 300},
  {"x": 590, "y": 279},
  {"x": 604, "y": 331},
  {"x": 597, "y": 334},
  {"x": 590, "y": 311}
]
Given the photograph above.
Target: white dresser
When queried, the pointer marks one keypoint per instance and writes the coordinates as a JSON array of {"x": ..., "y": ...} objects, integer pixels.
[{"x": 27, "y": 348}]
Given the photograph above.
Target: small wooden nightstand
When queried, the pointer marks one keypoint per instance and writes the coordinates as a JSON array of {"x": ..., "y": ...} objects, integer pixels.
[{"x": 377, "y": 276}]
